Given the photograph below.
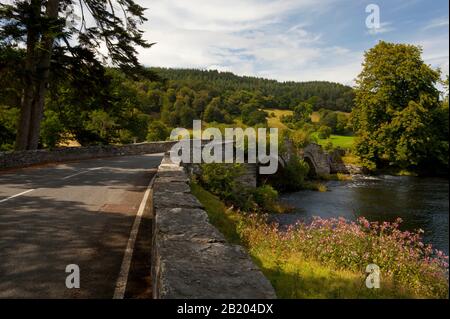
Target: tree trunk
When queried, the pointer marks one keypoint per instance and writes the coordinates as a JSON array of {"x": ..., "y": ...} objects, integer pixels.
[
  {"x": 43, "y": 73},
  {"x": 29, "y": 79}
]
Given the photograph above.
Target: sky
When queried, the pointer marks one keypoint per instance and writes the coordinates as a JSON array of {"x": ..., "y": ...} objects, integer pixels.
[{"x": 289, "y": 40}]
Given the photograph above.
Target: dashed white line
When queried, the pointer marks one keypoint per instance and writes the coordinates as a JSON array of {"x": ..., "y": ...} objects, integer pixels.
[
  {"x": 17, "y": 195},
  {"x": 121, "y": 283}
]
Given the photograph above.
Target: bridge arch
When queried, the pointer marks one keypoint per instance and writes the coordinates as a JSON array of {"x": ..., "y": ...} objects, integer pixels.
[
  {"x": 312, "y": 166},
  {"x": 317, "y": 160}
]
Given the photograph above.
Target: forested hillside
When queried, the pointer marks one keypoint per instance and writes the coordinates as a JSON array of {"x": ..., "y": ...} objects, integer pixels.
[
  {"x": 99, "y": 105},
  {"x": 283, "y": 95}
]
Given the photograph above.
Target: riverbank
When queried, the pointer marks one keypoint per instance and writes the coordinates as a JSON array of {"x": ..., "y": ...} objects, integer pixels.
[
  {"x": 328, "y": 259},
  {"x": 422, "y": 203}
]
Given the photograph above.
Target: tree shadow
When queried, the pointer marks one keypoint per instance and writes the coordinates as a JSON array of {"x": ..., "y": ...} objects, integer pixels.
[{"x": 41, "y": 234}]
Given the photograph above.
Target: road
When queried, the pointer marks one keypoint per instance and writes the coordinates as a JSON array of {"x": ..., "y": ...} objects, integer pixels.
[{"x": 74, "y": 213}]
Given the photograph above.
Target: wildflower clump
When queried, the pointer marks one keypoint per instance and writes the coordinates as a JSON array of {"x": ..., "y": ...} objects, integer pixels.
[{"x": 404, "y": 260}]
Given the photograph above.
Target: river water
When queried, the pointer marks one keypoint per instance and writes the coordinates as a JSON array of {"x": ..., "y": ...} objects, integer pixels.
[{"x": 420, "y": 202}]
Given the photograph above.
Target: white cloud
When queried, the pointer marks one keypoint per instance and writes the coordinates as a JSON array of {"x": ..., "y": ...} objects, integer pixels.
[
  {"x": 261, "y": 38},
  {"x": 436, "y": 52},
  {"x": 437, "y": 23},
  {"x": 243, "y": 36}
]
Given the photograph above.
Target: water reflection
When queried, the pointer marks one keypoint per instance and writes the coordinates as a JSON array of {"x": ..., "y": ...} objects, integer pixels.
[{"x": 420, "y": 202}]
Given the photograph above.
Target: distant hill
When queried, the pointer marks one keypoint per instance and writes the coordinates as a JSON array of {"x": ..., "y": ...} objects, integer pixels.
[{"x": 321, "y": 94}]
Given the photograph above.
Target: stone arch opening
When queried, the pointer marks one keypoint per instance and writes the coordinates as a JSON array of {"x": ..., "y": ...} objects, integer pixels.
[{"x": 312, "y": 167}]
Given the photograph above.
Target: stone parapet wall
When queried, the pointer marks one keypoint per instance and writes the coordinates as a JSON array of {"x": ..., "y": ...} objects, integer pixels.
[
  {"x": 190, "y": 257},
  {"x": 28, "y": 158}
]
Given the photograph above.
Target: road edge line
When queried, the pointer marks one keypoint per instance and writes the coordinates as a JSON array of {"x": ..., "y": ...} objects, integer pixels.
[
  {"x": 16, "y": 195},
  {"x": 122, "y": 279}
]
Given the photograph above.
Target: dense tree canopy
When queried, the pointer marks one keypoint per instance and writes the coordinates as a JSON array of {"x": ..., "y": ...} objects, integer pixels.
[
  {"x": 398, "y": 115},
  {"x": 273, "y": 94},
  {"x": 55, "y": 39}
]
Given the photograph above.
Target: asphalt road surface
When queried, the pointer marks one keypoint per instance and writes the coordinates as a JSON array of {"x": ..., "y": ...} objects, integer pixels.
[{"x": 74, "y": 213}]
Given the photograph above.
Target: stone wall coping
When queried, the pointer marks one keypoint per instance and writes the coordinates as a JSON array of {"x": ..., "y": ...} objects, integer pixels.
[{"x": 190, "y": 257}]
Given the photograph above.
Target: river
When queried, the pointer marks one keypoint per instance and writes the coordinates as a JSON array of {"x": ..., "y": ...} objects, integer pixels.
[{"x": 420, "y": 202}]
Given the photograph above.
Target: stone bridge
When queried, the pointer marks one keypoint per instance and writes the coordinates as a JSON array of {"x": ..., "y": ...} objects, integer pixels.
[
  {"x": 320, "y": 162},
  {"x": 317, "y": 159}
]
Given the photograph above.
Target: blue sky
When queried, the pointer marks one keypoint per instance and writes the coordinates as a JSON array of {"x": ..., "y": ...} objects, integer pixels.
[{"x": 298, "y": 40}]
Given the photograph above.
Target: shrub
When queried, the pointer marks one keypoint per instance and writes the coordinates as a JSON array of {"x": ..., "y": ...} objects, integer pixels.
[
  {"x": 292, "y": 176},
  {"x": 221, "y": 179},
  {"x": 8, "y": 130},
  {"x": 51, "y": 129},
  {"x": 329, "y": 147},
  {"x": 266, "y": 197},
  {"x": 324, "y": 132},
  {"x": 157, "y": 131}
]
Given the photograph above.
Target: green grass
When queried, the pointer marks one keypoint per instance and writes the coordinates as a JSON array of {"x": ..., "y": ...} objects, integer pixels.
[
  {"x": 291, "y": 275},
  {"x": 275, "y": 121},
  {"x": 345, "y": 142},
  {"x": 224, "y": 220}
]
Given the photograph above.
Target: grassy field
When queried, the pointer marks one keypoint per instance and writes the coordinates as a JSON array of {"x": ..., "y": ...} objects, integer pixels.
[
  {"x": 275, "y": 121},
  {"x": 291, "y": 275},
  {"x": 345, "y": 142},
  {"x": 341, "y": 141}
]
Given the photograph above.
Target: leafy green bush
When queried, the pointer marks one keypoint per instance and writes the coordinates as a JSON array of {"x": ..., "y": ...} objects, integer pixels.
[
  {"x": 291, "y": 177},
  {"x": 328, "y": 146},
  {"x": 101, "y": 123},
  {"x": 8, "y": 130},
  {"x": 51, "y": 129},
  {"x": 324, "y": 132},
  {"x": 157, "y": 131},
  {"x": 266, "y": 197},
  {"x": 221, "y": 179}
]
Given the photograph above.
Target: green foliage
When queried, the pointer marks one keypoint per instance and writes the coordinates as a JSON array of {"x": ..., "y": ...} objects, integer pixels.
[
  {"x": 398, "y": 116},
  {"x": 291, "y": 177},
  {"x": 302, "y": 114},
  {"x": 78, "y": 91},
  {"x": 157, "y": 131},
  {"x": 328, "y": 118},
  {"x": 221, "y": 179},
  {"x": 324, "y": 132},
  {"x": 266, "y": 197},
  {"x": 252, "y": 116},
  {"x": 342, "y": 124},
  {"x": 56, "y": 50},
  {"x": 327, "y": 258},
  {"x": 328, "y": 146},
  {"x": 8, "y": 120},
  {"x": 101, "y": 124},
  {"x": 214, "y": 112},
  {"x": 301, "y": 138},
  {"x": 337, "y": 121},
  {"x": 51, "y": 129},
  {"x": 239, "y": 90}
]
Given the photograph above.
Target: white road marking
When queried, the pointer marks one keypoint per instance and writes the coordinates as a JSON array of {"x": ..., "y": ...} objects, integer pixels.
[
  {"x": 121, "y": 283},
  {"x": 17, "y": 195},
  {"x": 83, "y": 172}
]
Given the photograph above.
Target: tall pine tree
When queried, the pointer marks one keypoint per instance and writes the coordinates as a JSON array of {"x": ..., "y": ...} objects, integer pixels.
[{"x": 52, "y": 31}]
